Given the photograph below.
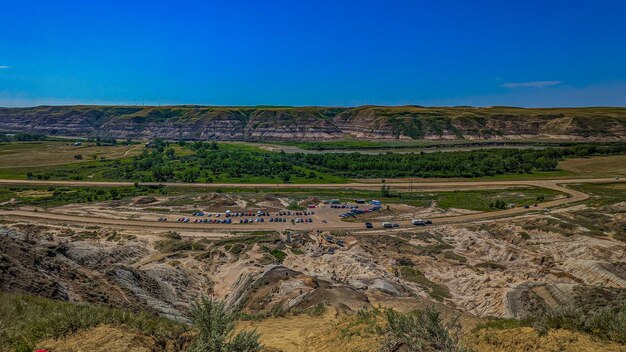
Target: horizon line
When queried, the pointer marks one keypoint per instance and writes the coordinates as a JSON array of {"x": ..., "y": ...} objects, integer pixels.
[{"x": 269, "y": 106}]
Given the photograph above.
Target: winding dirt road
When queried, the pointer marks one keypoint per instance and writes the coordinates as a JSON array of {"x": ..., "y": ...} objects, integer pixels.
[{"x": 333, "y": 221}]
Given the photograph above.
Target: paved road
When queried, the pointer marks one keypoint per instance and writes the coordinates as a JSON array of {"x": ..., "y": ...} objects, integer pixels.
[
  {"x": 447, "y": 185},
  {"x": 330, "y": 215}
]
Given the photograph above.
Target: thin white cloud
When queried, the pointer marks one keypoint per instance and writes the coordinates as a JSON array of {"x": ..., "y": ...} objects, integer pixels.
[
  {"x": 537, "y": 84},
  {"x": 601, "y": 94},
  {"x": 4, "y": 67}
]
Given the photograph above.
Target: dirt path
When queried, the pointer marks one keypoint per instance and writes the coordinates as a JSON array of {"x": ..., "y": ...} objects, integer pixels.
[{"x": 333, "y": 222}]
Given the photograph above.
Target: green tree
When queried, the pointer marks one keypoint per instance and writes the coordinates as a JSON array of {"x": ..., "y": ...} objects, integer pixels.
[
  {"x": 385, "y": 191},
  {"x": 169, "y": 152},
  {"x": 216, "y": 330}
]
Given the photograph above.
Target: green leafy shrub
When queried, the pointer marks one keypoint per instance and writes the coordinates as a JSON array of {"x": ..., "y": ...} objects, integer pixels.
[
  {"x": 216, "y": 330},
  {"x": 421, "y": 330}
]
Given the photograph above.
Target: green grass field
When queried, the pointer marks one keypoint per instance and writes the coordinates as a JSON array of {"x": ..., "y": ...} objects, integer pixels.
[{"x": 603, "y": 194}]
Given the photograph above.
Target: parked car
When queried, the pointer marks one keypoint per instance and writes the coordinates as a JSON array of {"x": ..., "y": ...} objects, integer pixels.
[{"x": 369, "y": 225}]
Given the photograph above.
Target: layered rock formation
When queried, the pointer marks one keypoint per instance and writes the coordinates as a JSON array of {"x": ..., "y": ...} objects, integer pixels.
[{"x": 317, "y": 123}]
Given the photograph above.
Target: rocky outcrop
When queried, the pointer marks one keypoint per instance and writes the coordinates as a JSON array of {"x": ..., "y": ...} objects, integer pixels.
[{"x": 317, "y": 123}]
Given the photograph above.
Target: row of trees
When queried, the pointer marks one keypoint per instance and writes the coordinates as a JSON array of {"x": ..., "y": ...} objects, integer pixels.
[
  {"x": 21, "y": 137},
  {"x": 210, "y": 160}
]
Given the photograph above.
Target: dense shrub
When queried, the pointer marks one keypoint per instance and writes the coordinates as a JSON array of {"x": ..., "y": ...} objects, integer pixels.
[
  {"x": 607, "y": 323},
  {"x": 216, "y": 330},
  {"x": 421, "y": 330}
]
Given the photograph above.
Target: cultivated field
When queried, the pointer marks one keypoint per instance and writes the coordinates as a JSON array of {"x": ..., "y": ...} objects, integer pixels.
[
  {"x": 604, "y": 166},
  {"x": 48, "y": 153}
]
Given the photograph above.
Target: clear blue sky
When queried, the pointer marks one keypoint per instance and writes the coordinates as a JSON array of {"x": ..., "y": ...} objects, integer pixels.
[{"x": 439, "y": 52}]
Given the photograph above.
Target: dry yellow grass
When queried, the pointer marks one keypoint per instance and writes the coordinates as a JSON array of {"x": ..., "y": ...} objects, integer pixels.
[
  {"x": 330, "y": 332},
  {"x": 601, "y": 166},
  {"x": 47, "y": 153},
  {"x": 101, "y": 339},
  {"x": 528, "y": 340},
  {"x": 305, "y": 333},
  {"x": 34, "y": 194}
]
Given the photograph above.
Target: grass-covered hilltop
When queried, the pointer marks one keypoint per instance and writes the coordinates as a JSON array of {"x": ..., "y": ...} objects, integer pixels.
[{"x": 318, "y": 123}]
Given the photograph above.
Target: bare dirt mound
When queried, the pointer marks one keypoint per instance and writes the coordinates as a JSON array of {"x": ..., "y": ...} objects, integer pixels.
[
  {"x": 144, "y": 200},
  {"x": 270, "y": 202},
  {"x": 281, "y": 289},
  {"x": 309, "y": 201},
  {"x": 102, "y": 339},
  {"x": 217, "y": 200},
  {"x": 24, "y": 269}
]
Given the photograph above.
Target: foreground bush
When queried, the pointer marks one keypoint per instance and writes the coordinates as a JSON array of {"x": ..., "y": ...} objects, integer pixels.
[
  {"x": 215, "y": 327},
  {"x": 606, "y": 323},
  {"x": 421, "y": 330},
  {"x": 595, "y": 311}
]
